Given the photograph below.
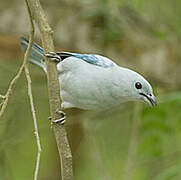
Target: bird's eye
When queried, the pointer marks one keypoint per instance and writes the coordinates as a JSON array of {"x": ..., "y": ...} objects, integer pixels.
[{"x": 138, "y": 85}]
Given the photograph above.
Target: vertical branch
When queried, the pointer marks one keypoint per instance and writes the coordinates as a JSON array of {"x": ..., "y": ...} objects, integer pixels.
[
  {"x": 53, "y": 90},
  {"x": 26, "y": 56},
  {"x": 35, "y": 123}
]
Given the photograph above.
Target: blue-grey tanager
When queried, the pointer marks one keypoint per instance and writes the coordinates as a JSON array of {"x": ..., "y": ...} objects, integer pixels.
[{"x": 90, "y": 81}]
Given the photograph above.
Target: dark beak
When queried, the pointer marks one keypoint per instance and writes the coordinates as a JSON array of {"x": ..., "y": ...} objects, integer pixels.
[{"x": 150, "y": 99}]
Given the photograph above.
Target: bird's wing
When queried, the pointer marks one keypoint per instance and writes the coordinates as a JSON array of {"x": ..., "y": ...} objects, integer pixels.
[{"x": 94, "y": 59}]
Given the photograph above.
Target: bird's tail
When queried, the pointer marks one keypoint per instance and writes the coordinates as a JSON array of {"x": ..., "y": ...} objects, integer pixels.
[{"x": 36, "y": 55}]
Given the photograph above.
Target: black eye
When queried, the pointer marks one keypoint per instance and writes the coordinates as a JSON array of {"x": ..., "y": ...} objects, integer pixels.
[{"x": 138, "y": 85}]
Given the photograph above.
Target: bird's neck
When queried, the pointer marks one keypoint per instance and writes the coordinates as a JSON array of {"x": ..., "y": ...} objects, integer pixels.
[{"x": 121, "y": 85}]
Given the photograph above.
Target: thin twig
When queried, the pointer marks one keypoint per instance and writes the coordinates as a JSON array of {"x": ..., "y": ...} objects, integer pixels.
[
  {"x": 35, "y": 123},
  {"x": 5, "y": 98},
  {"x": 26, "y": 56},
  {"x": 10, "y": 89}
]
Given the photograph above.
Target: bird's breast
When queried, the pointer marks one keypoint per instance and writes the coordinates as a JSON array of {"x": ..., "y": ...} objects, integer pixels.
[{"x": 87, "y": 86}]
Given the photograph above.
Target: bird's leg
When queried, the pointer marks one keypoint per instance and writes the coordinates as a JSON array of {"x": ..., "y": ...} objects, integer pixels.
[{"x": 53, "y": 56}]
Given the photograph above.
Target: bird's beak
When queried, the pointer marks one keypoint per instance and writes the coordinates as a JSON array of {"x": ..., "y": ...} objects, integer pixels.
[{"x": 150, "y": 99}]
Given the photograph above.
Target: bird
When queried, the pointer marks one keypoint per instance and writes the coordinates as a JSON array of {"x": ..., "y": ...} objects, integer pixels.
[{"x": 92, "y": 81}]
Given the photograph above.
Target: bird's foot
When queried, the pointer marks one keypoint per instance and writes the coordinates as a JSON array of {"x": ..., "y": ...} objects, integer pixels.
[
  {"x": 61, "y": 120},
  {"x": 53, "y": 56}
]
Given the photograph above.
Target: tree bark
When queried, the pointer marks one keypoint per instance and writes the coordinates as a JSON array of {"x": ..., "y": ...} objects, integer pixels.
[{"x": 53, "y": 90}]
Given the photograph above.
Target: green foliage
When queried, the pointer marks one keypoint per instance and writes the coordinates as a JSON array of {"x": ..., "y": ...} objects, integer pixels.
[
  {"x": 104, "y": 23},
  {"x": 161, "y": 19}
]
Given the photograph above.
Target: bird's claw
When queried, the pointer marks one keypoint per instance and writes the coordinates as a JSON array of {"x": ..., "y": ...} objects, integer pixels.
[
  {"x": 61, "y": 120},
  {"x": 53, "y": 56}
]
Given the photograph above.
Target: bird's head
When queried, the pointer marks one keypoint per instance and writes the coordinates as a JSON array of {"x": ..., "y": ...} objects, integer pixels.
[
  {"x": 136, "y": 87},
  {"x": 142, "y": 90}
]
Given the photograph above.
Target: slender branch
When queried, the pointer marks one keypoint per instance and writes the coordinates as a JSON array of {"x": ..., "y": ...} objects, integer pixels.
[
  {"x": 10, "y": 89},
  {"x": 26, "y": 56},
  {"x": 53, "y": 90},
  {"x": 35, "y": 123},
  {"x": 5, "y": 98}
]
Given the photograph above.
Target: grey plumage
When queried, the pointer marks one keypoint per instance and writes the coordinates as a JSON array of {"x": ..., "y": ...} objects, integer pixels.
[{"x": 93, "y": 81}]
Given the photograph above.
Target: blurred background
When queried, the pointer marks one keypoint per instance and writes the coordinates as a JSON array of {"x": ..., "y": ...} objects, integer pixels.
[{"x": 130, "y": 142}]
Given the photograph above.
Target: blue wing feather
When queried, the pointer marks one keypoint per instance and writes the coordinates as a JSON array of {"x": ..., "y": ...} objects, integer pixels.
[
  {"x": 37, "y": 56},
  {"x": 90, "y": 58}
]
